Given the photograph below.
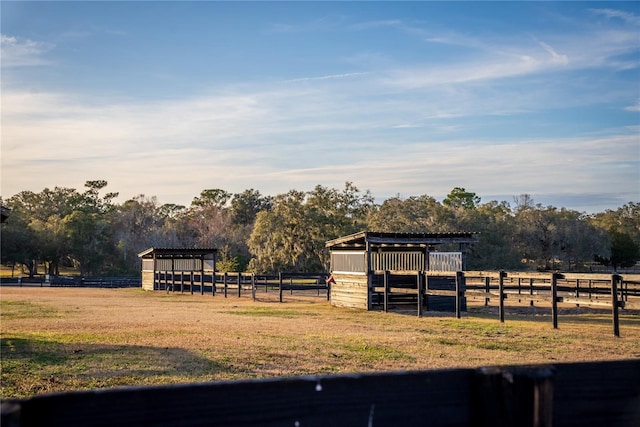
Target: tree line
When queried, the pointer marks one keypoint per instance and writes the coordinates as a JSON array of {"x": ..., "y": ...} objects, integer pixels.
[{"x": 88, "y": 231}]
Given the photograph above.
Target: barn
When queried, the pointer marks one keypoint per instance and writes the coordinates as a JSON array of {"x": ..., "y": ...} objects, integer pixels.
[
  {"x": 358, "y": 262},
  {"x": 178, "y": 268}
]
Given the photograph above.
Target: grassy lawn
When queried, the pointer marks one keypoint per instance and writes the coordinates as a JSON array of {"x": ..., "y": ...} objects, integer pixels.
[{"x": 68, "y": 339}]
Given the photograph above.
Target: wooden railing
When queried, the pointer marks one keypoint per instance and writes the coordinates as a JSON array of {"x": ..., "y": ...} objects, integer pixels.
[
  {"x": 579, "y": 394},
  {"x": 239, "y": 283},
  {"x": 605, "y": 290}
]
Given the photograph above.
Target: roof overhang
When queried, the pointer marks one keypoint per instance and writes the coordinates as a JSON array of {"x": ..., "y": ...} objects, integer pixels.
[
  {"x": 177, "y": 252},
  {"x": 398, "y": 240}
]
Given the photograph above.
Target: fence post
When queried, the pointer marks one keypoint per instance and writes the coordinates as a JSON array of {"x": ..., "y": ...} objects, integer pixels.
[
  {"x": 487, "y": 288},
  {"x": 239, "y": 284},
  {"x": 213, "y": 283},
  {"x": 226, "y": 283},
  {"x": 426, "y": 291},
  {"x": 419, "y": 280},
  {"x": 460, "y": 288},
  {"x": 386, "y": 290},
  {"x": 513, "y": 396},
  {"x": 191, "y": 279},
  {"x": 614, "y": 304},
  {"x": 328, "y": 288},
  {"x": 280, "y": 281},
  {"x": 253, "y": 286},
  {"x": 554, "y": 299},
  {"x": 502, "y": 295}
]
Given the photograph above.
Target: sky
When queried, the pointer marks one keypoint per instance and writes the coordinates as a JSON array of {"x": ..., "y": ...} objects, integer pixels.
[{"x": 167, "y": 99}]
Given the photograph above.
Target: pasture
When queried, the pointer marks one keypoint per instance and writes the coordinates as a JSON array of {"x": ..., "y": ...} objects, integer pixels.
[{"x": 59, "y": 339}]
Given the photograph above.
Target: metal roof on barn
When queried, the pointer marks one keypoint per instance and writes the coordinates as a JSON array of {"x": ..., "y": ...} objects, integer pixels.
[
  {"x": 176, "y": 252},
  {"x": 358, "y": 241}
]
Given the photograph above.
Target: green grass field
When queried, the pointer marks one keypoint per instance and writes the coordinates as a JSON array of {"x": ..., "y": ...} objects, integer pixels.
[{"x": 59, "y": 339}]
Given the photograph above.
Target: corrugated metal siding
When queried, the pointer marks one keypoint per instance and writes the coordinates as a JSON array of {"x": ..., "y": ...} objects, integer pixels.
[
  {"x": 413, "y": 261},
  {"x": 445, "y": 261},
  {"x": 147, "y": 264},
  {"x": 179, "y": 264},
  {"x": 348, "y": 261}
]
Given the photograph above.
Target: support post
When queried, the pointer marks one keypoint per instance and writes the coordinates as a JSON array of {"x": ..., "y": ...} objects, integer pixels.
[
  {"x": 329, "y": 291},
  {"x": 226, "y": 283},
  {"x": 386, "y": 290},
  {"x": 213, "y": 283},
  {"x": 460, "y": 286},
  {"x": 253, "y": 286},
  {"x": 419, "y": 280},
  {"x": 614, "y": 304},
  {"x": 173, "y": 275},
  {"x": 239, "y": 284},
  {"x": 502, "y": 296},
  {"x": 202, "y": 275},
  {"x": 487, "y": 289},
  {"x": 426, "y": 291},
  {"x": 554, "y": 299},
  {"x": 191, "y": 274}
]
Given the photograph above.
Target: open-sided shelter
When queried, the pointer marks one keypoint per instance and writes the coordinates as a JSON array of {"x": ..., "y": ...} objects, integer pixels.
[
  {"x": 358, "y": 260},
  {"x": 166, "y": 268}
]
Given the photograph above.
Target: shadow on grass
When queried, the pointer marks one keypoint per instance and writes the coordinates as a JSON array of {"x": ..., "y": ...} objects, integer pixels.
[{"x": 32, "y": 366}]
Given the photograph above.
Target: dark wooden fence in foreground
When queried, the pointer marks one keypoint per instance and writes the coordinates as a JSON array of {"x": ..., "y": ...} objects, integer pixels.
[
  {"x": 579, "y": 394},
  {"x": 412, "y": 288}
]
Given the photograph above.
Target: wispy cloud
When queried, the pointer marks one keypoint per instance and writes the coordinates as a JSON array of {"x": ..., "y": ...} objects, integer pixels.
[
  {"x": 239, "y": 140},
  {"x": 627, "y": 17},
  {"x": 22, "y": 52},
  {"x": 561, "y": 59},
  {"x": 327, "y": 77},
  {"x": 635, "y": 107}
]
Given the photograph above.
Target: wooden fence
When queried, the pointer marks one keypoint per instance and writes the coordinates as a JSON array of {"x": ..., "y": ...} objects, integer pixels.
[
  {"x": 75, "y": 282},
  {"x": 580, "y": 394},
  {"x": 603, "y": 290},
  {"x": 240, "y": 283}
]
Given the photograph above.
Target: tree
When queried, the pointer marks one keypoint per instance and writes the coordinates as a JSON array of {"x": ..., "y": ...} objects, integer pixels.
[
  {"x": 211, "y": 197},
  {"x": 495, "y": 248},
  {"x": 137, "y": 225},
  {"x": 461, "y": 198},
  {"x": 18, "y": 244},
  {"x": 291, "y": 236},
  {"x": 624, "y": 251},
  {"x": 246, "y": 205},
  {"x": 416, "y": 214},
  {"x": 536, "y": 235},
  {"x": 40, "y": 215}
]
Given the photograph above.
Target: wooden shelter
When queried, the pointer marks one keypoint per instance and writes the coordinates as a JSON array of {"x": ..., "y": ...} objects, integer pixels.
[
  {"x": 358, "y": 261},
  {"x": 167, "y": 268}
]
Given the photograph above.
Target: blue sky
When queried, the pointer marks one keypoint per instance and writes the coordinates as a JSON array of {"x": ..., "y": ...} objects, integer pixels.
[{"x": 401, "y": 98}]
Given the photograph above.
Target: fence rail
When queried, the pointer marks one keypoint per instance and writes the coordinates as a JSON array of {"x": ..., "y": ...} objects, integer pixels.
[
  {"x": 71, "y": 281},
  {"x": 603, "y": 290},
  {"x": 240, "y": 283},
  {"x": 578, "y": 394}
]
